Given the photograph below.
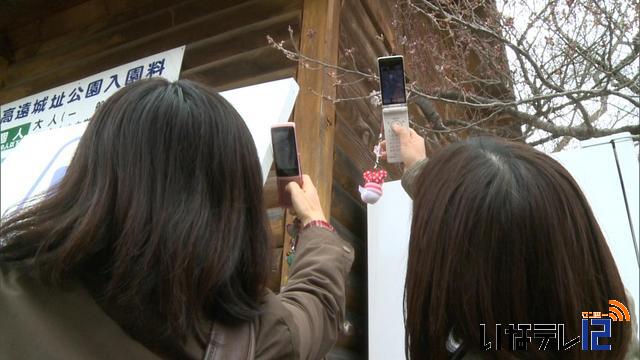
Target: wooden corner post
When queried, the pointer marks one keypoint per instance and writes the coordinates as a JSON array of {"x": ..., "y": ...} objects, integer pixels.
[{"x": 314, "y": 113}]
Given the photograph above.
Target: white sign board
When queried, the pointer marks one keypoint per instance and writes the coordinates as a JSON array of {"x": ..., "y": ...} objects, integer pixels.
[
  {"x": 594, "y": 169},
  {"x": 41, "y": 159},
  {"x": 75, "y": 102},
  {"x": 38, "y": 162},
  {"x": 262, "y": 106},
  {"x": 388, "y": 226}
]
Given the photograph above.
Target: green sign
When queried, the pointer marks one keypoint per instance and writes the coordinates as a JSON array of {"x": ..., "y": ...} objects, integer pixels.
[{"x": 11, "y": 137}]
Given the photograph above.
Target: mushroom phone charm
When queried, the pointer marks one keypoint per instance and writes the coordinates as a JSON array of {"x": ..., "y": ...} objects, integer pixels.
[{"x": 373, "y": 180}]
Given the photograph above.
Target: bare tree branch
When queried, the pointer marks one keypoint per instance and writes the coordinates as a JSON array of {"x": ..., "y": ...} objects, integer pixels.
[{"x": 569, "y": 61}]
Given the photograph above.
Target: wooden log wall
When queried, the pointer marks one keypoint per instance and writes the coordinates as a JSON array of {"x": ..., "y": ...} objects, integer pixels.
[{"x": 365, "y": 34}]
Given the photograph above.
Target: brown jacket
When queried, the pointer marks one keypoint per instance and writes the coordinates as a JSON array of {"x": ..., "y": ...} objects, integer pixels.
[{"x": 302, "y": 322}]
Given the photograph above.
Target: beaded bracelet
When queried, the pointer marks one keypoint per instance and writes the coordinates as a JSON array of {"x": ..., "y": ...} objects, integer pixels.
[
  {"x": 321, "y": 224},
  {"x": 294, "y": 230}
]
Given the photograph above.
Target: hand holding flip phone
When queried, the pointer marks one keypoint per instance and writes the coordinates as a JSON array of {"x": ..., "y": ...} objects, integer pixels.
[
  {"x": 394, "y": 103},
  {"x": 287, "y": 160}
]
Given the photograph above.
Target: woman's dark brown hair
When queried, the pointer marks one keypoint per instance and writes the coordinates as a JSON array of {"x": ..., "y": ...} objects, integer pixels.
[
  {"x": 502, "y": 234},
  {"x": 160, "y": 214}
]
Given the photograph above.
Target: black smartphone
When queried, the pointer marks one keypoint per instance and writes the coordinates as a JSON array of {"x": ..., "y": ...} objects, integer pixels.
[{"x": 392, "y": 81}]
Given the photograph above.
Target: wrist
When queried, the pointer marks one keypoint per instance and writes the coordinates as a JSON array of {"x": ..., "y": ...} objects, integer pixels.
[{"x": 409, "y": 164}]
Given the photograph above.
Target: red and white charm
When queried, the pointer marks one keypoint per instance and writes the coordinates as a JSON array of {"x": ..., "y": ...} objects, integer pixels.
[{"x": 372, "y": 190}]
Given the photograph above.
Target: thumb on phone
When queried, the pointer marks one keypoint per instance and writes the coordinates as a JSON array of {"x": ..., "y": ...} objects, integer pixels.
[
  {"x": 305, "y": 201},
  {"x": 412, "y": 146},
  {"x": 401, "y": 131},
  {"x": 293, "y": 188}
]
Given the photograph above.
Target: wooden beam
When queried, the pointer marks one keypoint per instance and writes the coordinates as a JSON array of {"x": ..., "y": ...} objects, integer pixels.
[
  {"x": 6, "y": 56},
  {"x": 30, "y": 40},
  {"x": 358, "y": 33},
  {"x": 125, "y": 20},
  {"x": 348, "y": 211},
  {"x": 346, "y": 173},
  {"x": 314, "y": 115},
  {"x": 17, "y": 13},
  {"x": 381, "y": 15},
  {"x": 357, "y": 277},
  {"x": 276, "y": 225},
  {"x": 363, "y": 117},
  {"x": 248, "y": 68},
  {"x": 241, "y": 39},
  {"x": 359, "y": 120},
  {"x": 270, "y": 191},
  {"x": 117, "y": 46}
]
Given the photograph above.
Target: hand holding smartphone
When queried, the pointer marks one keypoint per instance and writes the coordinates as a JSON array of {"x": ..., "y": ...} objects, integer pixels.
[{"x": 287, "y": 160}]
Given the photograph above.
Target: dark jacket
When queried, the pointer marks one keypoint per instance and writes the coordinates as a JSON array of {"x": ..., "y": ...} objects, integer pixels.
[
  {"x": 410, "y": 175},
  {"x": 302, "y": 322}
]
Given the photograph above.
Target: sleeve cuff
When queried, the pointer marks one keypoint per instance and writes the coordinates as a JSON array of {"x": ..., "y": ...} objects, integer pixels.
[{"x": 411, "y": 175}]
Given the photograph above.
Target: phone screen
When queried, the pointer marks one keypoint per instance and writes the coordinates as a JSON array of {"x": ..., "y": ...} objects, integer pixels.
[
  {"x": 392, "y": 80},
  {"x": 285, "y": 151}
]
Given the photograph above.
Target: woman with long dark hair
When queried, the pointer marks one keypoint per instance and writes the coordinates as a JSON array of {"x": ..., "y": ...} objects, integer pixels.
[
  {"x": 155, "y": 244},
  {"x": 502, "y": 234}
]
